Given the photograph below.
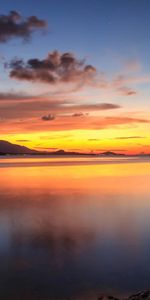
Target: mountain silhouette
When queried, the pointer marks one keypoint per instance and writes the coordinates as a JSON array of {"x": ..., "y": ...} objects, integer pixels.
[
  {"x": 14, "y": 149},
  {"x": 110, "y": 153},
  {"x": 9, "y": 148}
]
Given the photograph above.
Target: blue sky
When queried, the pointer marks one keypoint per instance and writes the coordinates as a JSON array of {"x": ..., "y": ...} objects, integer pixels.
[{"x": 99, "y": 30}]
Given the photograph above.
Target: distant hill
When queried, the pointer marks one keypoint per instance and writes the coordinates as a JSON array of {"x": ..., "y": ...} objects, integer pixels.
[
  {"x": 14, "y": 149},
  {"x": 9, "y": 148},
  {"x": 110, "y": 153},
  {"x": 62, "y": 152}
]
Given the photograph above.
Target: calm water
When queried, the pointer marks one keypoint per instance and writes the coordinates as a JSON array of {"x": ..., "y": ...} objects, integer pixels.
[{"x": 73, "y": 227}]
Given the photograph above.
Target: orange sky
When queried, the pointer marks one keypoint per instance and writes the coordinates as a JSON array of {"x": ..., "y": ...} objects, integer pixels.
[{"x": 71, "y": 121}]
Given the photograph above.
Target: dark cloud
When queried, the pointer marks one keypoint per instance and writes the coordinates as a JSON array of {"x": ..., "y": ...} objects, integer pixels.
[
  {"x": 60, "y": 67},
  {"x": 80, "y": 114},
  {"x": 23, "y": 141},
  {"x": 49, "y": 117},
  {"x": 55, "y": 68},
  {"x": 14, "y": 25}
]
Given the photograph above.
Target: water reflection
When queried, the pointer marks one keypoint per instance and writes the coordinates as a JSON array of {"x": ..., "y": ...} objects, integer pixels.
[{"x": 68, "y": 231}]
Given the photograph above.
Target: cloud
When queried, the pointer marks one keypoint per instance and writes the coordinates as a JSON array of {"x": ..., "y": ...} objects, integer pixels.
[
  {"x": 80, "y": 114},
  {"x": 92, "y": 107},
  {"x": 129, "y": 137},
  {"x": 65, "y": 68},
  {"x": 55, "y": 137},
  {"x": 66, "y": 123},
  {"x": 132, "y": 65},
  {"x": 98, "y": 106},
  {"x": 127, "y": 91},
  {"x": 4, "y": 96},
  {"x": 55, "y": 68},
  {"x": 119, "y": 83},
  {"x": 14, "y": 25},
  {"x": 23, "y": 141},
  {"x": 126, "y": 120},
  {"x": 49, "y": 117},
  {"x": 38, "y": 107},
  {"x": 94, "y": 140}
]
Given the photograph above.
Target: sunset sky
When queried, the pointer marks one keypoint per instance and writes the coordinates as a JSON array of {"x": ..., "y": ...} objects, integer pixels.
[{"x": 75, "y": 75}]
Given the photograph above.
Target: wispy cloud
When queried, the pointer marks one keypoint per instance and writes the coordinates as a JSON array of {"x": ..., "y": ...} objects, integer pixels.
[
  {"x": 67, "y": 123},
  {"x": 126, "y": 91},
  {"x": 24, "y": 141},
  {"x": 94, "y": 140},
  {"x": 129, "y": 137},
  {"x": 17, "y": 96},
  {"x": 132, "y": 65},
  {"x": 36, "y": 108}
]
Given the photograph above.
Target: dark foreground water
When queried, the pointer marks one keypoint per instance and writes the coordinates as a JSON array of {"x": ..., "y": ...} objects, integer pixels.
[{"x": 73, "y": 228}]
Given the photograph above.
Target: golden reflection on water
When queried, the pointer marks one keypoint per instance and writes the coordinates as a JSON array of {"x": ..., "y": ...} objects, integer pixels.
[
  {"x": 80, "y": 227},
  {"x": 103, "y": 177}
]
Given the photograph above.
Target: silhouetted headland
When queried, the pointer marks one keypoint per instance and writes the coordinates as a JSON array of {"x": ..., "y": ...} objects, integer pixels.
[{"x": 7, "y": 148}]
